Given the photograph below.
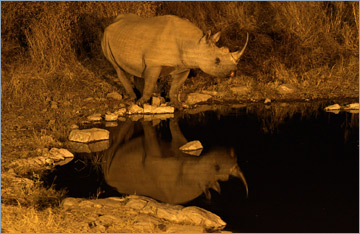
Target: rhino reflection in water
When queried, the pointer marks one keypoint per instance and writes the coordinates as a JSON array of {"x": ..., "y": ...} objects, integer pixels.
[{"x": 147, "y": 165}]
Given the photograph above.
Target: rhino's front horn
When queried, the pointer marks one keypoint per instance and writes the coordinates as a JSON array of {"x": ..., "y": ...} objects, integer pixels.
[
  {"x": 216, "y": 187},
  {"x": 236, "y": 55},
  {"x": 236, "y": 172}
]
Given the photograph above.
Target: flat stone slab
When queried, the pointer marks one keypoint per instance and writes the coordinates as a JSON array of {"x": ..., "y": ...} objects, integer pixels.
[
  {"x": 114, "y": 95},
  {"x": 286, "y": 89},
  {"x": 149, "y": 213},
  {"x": 121, "y": 111},
  {"x": 192, "y": 147},
  {"x": 53, "y": 157},
  {"x": 332, "y": 107},
  {"x": 149, "y": 109},
  {"x": 352, "y": 106},
  {"x": 135, "y": 109},
  {"x": 89, "y": 135},
  {"x": 267, "y": 101},
  {"x": 96, "y": 146},
  {"x": 194, "y": 98},
  {"x": 94, "y": 117},
  {"x": 240, "y": 90},
  {"x": 111, "y": 117}
]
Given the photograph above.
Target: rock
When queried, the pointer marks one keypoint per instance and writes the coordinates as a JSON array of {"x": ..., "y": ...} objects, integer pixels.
[
  {"x": 334, "y": 111},
  {"x": 69, "y": 202},
  {"x": 53, "y": 105},
  {"x": 267, "y": 101},
  {"x": 120, "y": 112},
  {"x": 135, "y": 109},
  {"x": 353, "y": 111},
  {"x": 286, "y": 89},
  {"x": 156, "y": 122},
  {"x": 136, "y": 204},
  {"x": 148, "y": 214},
  {"x": 332, "y": 107},
  {"x": 352, "y": 106},
  {"x": 194, "y": 98},
  {"x": 63, "y": 152},
  {"x": 209, "y": 92},
  {"x": 106, "y": 220},
  {"x": 74, "y": 126},
  {"x": 136, "y": 117},
  {"x": 148, "y": 109},
  {"x": 94, "y": 117},
  {"x": 240, "y": 90},
  {"x": 122, "y": 119},
  {"x": 96, "y": 146},
  {"x": 176, "y": 213},
  {"x": 177, "y": 228},
  {"x": 58, "y": 157},
  {"x": 192, "y": 145},
  {"x": 111, "y": 124},
  {"x": 146, "y": 223},
  {"x": 114, "y": 95},
  {"x": 89, "y": 135},
  {"x": 158, "y": 117},
  {"x": 155, "y": 101},
  {"x": 111, "y": 117},
  {"x": 194, "y": 152},
  {"x": 238, "y": 106},
  {"x": 199, "y": 216}
]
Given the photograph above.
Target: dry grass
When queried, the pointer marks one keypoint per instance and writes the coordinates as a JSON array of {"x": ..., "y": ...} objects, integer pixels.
[{"x": 50, "y": 52}]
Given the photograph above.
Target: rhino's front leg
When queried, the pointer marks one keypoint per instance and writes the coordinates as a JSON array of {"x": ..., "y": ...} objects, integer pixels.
[
  {"x": 152, "y": 147},
  {"x": 178, "y": 139},
  {"x": 150, "y": 77},
  {"x": 125, "y": 81},
  {"x": 178, "y": 80}
]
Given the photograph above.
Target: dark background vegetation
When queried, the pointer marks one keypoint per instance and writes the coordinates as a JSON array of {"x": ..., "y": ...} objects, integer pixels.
[{"x": 53, "y": 48}]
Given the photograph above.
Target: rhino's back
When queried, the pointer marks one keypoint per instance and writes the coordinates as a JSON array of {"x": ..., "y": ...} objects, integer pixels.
[{"x": 136, "y": 42}]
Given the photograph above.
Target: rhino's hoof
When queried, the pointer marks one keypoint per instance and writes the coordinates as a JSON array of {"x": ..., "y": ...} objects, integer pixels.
[{"x": 141, "y": 101}]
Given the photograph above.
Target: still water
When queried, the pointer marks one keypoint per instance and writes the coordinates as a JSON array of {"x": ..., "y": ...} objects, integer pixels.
[{"x": 300, "y": 164}]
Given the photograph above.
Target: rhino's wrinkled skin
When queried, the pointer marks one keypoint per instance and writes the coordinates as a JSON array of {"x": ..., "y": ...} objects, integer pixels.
[
  {"x": 147, "y": 165},
  {"x": 163, "y": 45}
]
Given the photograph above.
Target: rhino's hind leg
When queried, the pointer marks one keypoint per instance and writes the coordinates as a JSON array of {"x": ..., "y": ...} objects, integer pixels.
[
  {"x": 178, "y": 80},
  {"x": 150, "y": 77},
  {"x": 125, "y": 81}
]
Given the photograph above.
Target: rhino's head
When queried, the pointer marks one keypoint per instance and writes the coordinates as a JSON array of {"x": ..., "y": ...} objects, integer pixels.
[
  {"x": 217, "y": 61},
  {"x": 218, "y": 164}
]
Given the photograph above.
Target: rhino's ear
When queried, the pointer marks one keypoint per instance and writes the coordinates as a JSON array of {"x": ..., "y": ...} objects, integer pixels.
[
  {"x": 215, "y": 38},
  {"x": 206, "y": 38}
]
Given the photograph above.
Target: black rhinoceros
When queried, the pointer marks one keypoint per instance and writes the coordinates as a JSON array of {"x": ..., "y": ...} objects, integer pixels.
[
  {"x": 163, "y": 45},
  {"x": 150, "y": 166}
]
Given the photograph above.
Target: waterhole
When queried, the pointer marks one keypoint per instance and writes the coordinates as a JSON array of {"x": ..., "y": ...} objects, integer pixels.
[{"x": 300, "y": 163}]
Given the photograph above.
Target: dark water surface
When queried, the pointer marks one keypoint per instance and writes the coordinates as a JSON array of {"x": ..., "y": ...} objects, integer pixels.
[{"x": 301, "y": 165}]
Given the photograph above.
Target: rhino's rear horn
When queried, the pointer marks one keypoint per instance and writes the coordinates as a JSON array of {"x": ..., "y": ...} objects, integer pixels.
[
  {"x": 215, "y": 38},
  {"x": 236, "y": 55}
]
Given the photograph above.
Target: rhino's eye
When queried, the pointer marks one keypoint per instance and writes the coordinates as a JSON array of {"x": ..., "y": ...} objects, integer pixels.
[
  {"x": 217, "y": 167},
  {"x": 217, "y": 61}
]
